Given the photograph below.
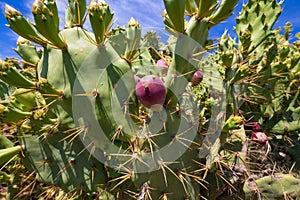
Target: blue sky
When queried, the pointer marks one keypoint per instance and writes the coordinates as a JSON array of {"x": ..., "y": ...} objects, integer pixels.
[{"x": 147, "y": 12}]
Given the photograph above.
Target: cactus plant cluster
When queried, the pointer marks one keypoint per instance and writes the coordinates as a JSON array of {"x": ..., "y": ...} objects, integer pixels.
[
  {"x": 260, "y": 74},
  {"x": 54, "y": 90},
  {"x": 114, "y": 114}
]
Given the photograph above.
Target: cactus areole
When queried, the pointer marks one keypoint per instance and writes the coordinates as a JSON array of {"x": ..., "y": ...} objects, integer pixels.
[{"x": 151, "y": 91}]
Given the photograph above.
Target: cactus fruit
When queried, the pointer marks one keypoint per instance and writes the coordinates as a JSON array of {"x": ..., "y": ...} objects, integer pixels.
[
  {"x": 256, "y": 127},
  {"x": 197, "y": 78},
  {"x": 257, "y": 134},
  {"x": 151, "y": 91},
  {"x": 259, "y": 137}
]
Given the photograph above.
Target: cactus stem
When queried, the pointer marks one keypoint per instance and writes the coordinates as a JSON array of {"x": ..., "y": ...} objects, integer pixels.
[{"x": 202, "y": 14}]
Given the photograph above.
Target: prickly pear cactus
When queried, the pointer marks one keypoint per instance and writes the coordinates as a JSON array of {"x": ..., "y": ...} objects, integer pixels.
[
  {"x": 113, "y": 113},
  {"x": 82, "y": 123},
  {"x": 260, "y": 72},
  {"x": 277, "y": 186},
  {"x": 255, "y": 23}
]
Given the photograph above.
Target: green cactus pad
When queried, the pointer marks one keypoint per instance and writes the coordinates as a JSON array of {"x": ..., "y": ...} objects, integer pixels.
[
  {"x": 63, "y": 162},
  {"x": 277, "y": 186},
  {"x": 255, "y": 22}
]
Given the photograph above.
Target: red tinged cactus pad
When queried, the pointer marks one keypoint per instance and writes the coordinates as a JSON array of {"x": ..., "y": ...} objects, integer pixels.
[
  {"x": 197, "y": 78},
  {"x": 151, "y": 91}
]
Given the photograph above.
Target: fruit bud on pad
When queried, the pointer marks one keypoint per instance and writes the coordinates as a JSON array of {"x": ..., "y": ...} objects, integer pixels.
[
  {"x": 197, "y": 78},
  {"x": 151, "y": 92}
]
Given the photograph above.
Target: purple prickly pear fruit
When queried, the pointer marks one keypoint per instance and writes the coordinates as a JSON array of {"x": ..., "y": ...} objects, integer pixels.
[
  {"x": 162, "y": 66},
  {"x": 197, "y": 78},
  {"x": 259, "y": 137},
  {"x": 151, "y": 91},
  {"x": 136, "y": 79},
  {"x": 256, "y": 127}
]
